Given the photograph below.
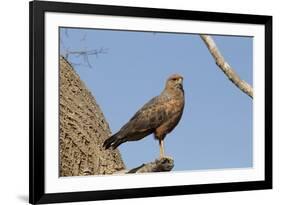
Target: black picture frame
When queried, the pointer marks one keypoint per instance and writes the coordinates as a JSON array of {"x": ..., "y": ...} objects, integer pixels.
[{"x": 37, "y": 10}]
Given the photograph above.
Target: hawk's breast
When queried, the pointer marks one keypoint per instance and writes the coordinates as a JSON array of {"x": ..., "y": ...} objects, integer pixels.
[{"x": 174, "y": 109}]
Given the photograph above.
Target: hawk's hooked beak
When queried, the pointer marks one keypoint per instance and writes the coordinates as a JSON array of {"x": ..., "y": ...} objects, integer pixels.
[
  {"x": 180, "y": 80},
  {"x": 179, "y": 83}
]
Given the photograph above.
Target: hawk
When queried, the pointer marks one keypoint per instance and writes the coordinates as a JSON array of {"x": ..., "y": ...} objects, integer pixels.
[{"x": 159, "y": 116}]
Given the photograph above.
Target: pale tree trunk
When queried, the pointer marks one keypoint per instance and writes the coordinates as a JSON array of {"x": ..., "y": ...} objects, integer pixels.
[
  {"x": 225, "y": 67},
  {"x": 83, "y": 129}
]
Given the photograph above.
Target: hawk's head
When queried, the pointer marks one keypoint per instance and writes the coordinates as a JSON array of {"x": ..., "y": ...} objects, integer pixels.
[{"x": 174, "y": 81}]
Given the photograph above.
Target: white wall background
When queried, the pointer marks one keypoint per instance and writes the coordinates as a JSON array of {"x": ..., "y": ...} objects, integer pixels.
[{"x": 14, "y": 44}]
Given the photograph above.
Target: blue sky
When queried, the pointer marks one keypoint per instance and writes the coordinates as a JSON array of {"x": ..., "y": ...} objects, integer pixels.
[{"x": 215, "y": 131}]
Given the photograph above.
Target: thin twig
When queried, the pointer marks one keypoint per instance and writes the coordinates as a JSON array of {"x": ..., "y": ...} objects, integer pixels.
[{"x": 85, "y": 54}]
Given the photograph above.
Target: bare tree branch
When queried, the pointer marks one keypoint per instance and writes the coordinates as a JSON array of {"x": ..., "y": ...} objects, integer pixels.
[
  {"x": 159, "y": 165},
  {"x": 82, "y": 55},
  {"x": 225, "y": 67},
  {"x": 164, "y": 164},
  {"x": 85, "y": 55}
]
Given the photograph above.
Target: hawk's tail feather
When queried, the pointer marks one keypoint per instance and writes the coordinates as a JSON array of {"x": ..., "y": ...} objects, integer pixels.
[{"x": 114, "y": 141}]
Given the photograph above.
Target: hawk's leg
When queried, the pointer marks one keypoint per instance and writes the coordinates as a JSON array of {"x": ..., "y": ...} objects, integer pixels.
[{"x": 161, "y": 143}]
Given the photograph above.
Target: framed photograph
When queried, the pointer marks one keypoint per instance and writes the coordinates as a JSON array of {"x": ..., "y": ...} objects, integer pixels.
[{"x": 130, "y": 102}]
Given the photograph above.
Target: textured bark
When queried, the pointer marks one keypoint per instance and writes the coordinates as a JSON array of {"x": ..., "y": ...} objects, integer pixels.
[
  {"x": 83, "y": 129},
  {"x": 225, "y": 67}
]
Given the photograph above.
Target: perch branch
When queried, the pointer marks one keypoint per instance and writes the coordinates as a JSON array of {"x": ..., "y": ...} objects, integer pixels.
[
  {"x": 164, "y": 164},
  {"x": 225, "y": 67}
]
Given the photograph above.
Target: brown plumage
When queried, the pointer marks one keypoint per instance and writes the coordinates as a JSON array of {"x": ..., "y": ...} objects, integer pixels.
[{"x": 159, "y": 116}]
